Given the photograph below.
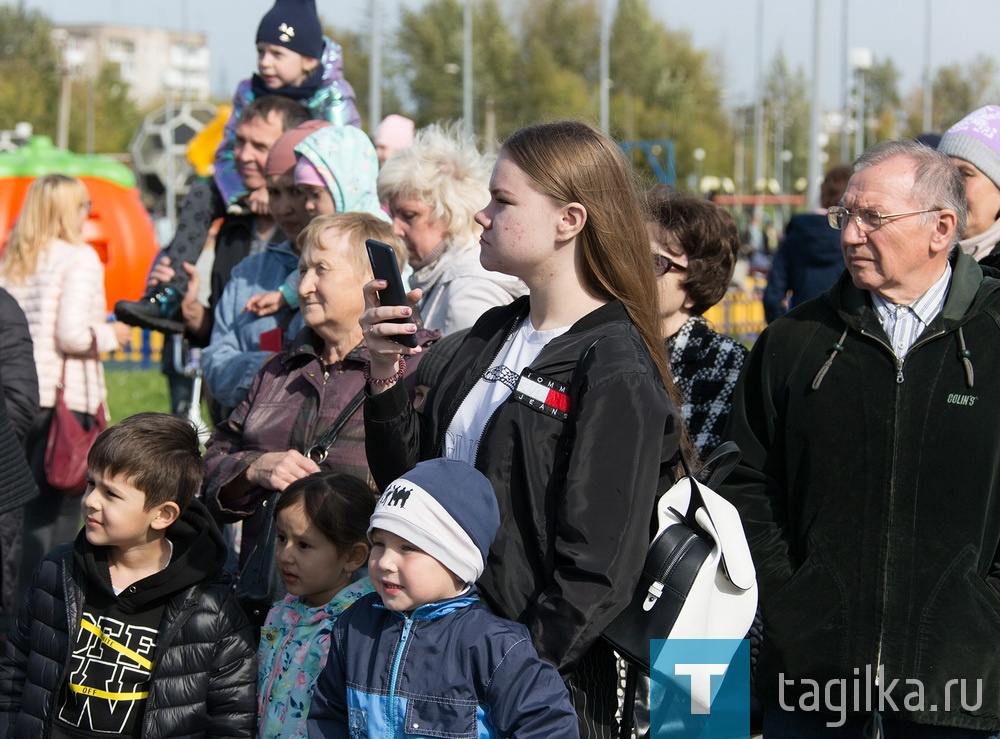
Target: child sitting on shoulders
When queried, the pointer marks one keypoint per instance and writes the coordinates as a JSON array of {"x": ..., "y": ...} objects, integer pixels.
[
  {"x": 132, "y": 630},
  {"x": 423, "y": 656},
  {"x": 295, "y": 60},
  {"x": 321, "y": 523}
]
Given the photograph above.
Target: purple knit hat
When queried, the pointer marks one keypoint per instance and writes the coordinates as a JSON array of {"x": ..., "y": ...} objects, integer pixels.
[{"x": 976, "y": 139}]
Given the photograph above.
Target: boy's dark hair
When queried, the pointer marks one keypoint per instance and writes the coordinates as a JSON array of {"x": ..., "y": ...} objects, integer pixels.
[
  {"x": 156, "y": 452},
  {"x": 339, "y": 505},
  {"x": 708, "y": 237},
  {"x": 290, "y": 113}
]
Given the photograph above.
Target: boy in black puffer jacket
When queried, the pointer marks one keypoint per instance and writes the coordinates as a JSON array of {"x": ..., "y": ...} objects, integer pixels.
[{"x": 132, "y": 631}]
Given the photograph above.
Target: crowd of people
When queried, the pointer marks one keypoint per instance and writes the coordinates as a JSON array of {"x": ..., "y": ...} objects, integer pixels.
[{"x": 445, "y": 529}]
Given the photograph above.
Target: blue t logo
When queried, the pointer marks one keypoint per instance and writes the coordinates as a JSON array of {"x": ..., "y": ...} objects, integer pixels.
[{"x": 700, "y": 688}]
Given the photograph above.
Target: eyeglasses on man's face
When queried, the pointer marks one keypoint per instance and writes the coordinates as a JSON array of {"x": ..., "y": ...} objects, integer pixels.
[
  {"x": 867, "y": 219},
  {"x": 662, "y": 265}
]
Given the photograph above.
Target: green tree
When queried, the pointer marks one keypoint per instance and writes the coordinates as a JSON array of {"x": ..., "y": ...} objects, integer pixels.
[
  {"x": 957, "y": 90},
  {"x": 665, "y": 88},
  {"x": 430, "y": 42},
  {"x": 103, "y": 109},
  {"x": 356, "y": 47},
  {"x": 882, "y": 98},
  {"x": 786, "y": 94},
  {"x": 29, "y": 70}
]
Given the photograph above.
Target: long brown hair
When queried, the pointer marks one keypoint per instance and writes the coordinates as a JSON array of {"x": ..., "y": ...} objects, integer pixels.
[
  {"x": 571, "y": 161},
  {"x": 51, "y": 211}
]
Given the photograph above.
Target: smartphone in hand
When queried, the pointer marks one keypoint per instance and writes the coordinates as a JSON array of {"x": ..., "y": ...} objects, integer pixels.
[{"x": 384, "y": 267}]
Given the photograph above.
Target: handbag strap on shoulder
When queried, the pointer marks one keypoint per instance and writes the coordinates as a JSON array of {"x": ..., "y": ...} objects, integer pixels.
[{"x": 318, "y": 451}]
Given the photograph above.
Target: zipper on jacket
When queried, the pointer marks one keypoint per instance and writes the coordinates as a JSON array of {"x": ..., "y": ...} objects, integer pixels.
[
  {"x": 74, "y": 612},
  {"x": 892, "y": 491},
  {"x": 899, "y": 362},
  {"x": 396, "y": 662}
]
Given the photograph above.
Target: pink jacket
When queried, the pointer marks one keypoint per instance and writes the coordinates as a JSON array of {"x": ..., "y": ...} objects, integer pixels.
[{"x": 63, "y": 301}]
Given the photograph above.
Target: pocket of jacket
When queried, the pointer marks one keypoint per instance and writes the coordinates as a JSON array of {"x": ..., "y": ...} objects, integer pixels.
[
  {"x": 441, "y": 717},
  {"x": 808, "y": 615}
]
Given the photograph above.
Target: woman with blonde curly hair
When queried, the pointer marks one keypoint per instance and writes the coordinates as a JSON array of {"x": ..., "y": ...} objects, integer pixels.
[
  {"x": 58, "y": 280},
  {"x": 433, "y": 189}
]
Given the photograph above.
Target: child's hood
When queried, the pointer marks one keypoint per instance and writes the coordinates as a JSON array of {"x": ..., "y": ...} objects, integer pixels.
[
  {"x": 346, "y": 160},
  {"x": 199, "y": 556}
]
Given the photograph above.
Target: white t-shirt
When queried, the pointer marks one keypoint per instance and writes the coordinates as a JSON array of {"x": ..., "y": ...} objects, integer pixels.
[{"x": 462, "y": 438}]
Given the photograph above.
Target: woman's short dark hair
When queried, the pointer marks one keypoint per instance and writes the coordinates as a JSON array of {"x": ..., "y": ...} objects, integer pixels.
[
  {"x": 339, "y": 505},
  {"x": 708, "y": 237}
]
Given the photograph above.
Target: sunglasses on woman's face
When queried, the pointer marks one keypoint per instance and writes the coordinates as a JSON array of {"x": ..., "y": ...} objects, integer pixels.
[{"x": 662, "y": 265}]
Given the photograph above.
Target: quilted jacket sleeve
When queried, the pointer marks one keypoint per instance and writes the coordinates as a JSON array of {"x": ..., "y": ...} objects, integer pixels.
[{"x": 232, "y": 693}]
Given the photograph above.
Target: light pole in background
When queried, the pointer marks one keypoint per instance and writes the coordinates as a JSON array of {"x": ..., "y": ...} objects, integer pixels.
[
  {"x": 605, "y": 62},
  {"x": 758, "y": 115},
  {"x": 375, "y": 70},
  {"x": 467, "y": 68},
  {"x": 699, "y": 160},
  {"x": 928, "y": 85},
  {"x": 861, "y": 62},
  {"x": 813, "y": 170}
]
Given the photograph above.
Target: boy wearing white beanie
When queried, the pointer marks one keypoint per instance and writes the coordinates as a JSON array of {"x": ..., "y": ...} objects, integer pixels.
[{"x": 423, "y": 656}]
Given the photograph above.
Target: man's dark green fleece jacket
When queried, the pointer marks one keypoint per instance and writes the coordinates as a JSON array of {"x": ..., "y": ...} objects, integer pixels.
[{"x": 870, "y": 493}]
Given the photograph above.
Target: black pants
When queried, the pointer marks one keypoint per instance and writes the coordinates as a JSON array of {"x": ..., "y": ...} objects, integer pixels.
[
  {"x": 593, "y": 691},
  {"x": 202, "y": 206}
]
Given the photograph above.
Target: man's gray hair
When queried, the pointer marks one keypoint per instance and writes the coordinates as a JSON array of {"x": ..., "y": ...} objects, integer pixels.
[{"x": 937, "y": 181}]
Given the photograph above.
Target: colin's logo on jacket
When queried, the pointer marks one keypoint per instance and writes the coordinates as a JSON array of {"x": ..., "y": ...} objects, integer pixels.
[{"x": 395, "y": 495}]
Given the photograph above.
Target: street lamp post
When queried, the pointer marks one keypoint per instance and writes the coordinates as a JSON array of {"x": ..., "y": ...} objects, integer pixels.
[
  {"x": 699, "y": 158},
  {"x": 861, "y": 61}
]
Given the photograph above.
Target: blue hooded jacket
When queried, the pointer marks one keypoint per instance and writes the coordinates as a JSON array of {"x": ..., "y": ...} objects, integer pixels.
[{"x": 447, "y": 669}]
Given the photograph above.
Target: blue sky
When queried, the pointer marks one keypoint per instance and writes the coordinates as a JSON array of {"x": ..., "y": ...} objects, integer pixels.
[{"x": 890, "y": 28}]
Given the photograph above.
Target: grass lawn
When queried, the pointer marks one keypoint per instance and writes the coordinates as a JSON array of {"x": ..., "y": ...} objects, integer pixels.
[{"x": 132, "y": 391}]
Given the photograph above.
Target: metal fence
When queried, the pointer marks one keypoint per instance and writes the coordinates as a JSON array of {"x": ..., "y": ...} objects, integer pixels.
[{"x": 740, "y": 314}]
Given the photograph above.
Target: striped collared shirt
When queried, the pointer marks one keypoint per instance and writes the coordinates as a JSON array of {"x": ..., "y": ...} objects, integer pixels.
[{"x": 904, "y": 323}]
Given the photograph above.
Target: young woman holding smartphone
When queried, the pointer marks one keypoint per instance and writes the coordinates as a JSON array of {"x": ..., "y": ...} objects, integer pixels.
[{"x": 561, "y": 399}]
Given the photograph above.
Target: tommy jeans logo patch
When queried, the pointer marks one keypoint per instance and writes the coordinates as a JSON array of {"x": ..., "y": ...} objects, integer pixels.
[
  {"x": 395, "y": 495},
  {"x": 543, "y": 394}
]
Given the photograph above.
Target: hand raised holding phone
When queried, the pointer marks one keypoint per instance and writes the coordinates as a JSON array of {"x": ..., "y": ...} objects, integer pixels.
[{"x": 387, "y": 322}]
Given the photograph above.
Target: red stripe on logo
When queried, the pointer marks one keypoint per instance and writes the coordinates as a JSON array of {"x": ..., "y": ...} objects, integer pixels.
[{"x": 557, "y": 400}]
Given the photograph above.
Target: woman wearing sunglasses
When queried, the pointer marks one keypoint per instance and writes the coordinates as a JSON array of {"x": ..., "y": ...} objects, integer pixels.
[{"x": 695, "y": 244}]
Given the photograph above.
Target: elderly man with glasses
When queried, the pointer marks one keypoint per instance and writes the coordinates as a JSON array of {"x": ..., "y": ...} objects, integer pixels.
[{"x": 869, "y": 420}]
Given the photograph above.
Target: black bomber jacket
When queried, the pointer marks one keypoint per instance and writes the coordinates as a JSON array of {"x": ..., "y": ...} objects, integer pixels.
[{"x": 576, "y": 490}]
